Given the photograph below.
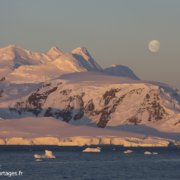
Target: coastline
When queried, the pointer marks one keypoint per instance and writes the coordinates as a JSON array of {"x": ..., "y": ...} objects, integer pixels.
[{"x": 21, "y": 148}]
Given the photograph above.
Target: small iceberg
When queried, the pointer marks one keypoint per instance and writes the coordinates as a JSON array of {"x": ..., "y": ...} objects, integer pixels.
[
  {"x": 37, "y": 156},
  {"x": 150, "y": 153},
  {"x": 92, "y": 150},
  {"x": 127, "y": 151},
  {"x": 47, "y": 155},
  {"x": 147, "y": 152}
]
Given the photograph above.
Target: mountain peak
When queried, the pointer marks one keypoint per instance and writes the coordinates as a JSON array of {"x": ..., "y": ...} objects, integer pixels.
[
  {"x": 82, "y": 54},
  {"x": 54, "y": 52},
  {"x": 15, "y": 51},
  {"x": 11, "y": 52},
  {"x": 80, "y": 51}
]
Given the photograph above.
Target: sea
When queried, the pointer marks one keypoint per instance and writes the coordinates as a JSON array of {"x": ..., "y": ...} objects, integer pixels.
[{"x": 73, "y": 164}]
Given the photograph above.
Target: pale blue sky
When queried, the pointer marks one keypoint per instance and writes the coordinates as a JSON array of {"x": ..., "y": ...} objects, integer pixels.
[{"x": 114, "y": 31}]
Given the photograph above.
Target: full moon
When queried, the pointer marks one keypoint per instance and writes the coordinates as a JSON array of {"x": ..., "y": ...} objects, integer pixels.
[{"x": 154, "y": 46}]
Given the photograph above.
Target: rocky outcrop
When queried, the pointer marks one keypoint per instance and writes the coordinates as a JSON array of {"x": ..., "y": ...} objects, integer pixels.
[
  {"x": 2, "y": 79},
  {"x": 35, "y": 101},
  {"x": 1, "y": 92},
  {"x": 151, "y": 106}
]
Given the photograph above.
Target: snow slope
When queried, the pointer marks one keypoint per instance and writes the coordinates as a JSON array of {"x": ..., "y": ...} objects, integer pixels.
[
  {"x": 48, "y": 131},
  {"x": 119, "y": 70},
  {"x": 47, "y": 126}
]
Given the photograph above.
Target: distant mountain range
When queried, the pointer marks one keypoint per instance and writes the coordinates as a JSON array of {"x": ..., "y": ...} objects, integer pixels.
[
  {"x": 74, "y": 88},
  {"x": 20, "y": 65}
]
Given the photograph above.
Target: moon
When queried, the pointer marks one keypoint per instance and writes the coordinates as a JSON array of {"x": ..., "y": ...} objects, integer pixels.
[{"x": 154, "y": 46}]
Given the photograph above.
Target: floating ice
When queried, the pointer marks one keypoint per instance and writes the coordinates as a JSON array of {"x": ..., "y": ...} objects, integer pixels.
[
  {"x": 92, "y": 150},
  {"x": 48, "y": 155}
]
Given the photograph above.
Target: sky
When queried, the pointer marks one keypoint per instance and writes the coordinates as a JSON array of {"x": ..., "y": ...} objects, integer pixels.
[{"x": 113, "y": 31}]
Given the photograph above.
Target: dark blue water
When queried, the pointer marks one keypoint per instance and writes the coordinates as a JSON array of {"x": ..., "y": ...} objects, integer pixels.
[{"x": 107, "y": 165}]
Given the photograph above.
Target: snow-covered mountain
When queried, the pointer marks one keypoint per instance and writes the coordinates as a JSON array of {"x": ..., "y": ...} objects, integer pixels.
[
  {"x": 73, "y": 88},
  {"x": 54, "y": 52},
  {"x": 20, "y": 65},
  {"x": 13, "y": 56},
  {"x": 100, "y": 100}
]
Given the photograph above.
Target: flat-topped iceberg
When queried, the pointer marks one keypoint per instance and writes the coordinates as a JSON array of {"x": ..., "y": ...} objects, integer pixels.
[
  {"x": 150, "y": 153},
  {"x": 92, "y": 150}
]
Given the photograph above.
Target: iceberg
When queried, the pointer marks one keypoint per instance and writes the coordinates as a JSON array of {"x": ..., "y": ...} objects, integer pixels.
[
  {"x": 127, "y": 151},
  {"x": 92, "y": 150},
  {"x": 147, "y": 153},
  {"x": 37, "y": 156},
  {"x": 47, "y": 155}
]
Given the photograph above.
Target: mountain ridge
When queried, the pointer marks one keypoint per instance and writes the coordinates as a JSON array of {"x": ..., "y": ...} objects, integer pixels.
[{"x": 17, "y": 64}]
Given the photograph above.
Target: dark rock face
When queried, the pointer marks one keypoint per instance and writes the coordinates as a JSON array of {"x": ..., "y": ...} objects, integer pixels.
[
  {"x": 151, "y": 105},
  {"x": 64, "y": 114},
  {"x": 89, "y": 108},
  {"x": 66, "y": 92},
  {"x": 79, "y": 115},
  {"x": 109, "y": 95},
  {"x": 37, "y": 99},
  {"x": 1, "y": 92},
  {"x": 134, "y": 120},
  {"x": 2, "y": 79},
  {"x": 34, "y": 102},
  {"x": 177, "y": 123},
  {"x": 67, "y": 113},
  {"x": 108, "y": 110}
]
